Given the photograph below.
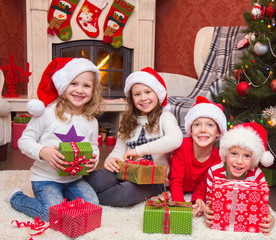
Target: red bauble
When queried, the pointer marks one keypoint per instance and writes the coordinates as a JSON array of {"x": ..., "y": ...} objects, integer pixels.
[
  {"x": 238, "y": 74},
  {"x": 242, "y": 87},
  {"x": 273, "y": 85}
]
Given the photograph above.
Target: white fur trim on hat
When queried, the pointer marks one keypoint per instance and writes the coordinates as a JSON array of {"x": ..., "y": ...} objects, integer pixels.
[
  {"x": 248, "y": 138},
  {"x": 148, "y": 80},
  {"x": 208, "y": 110},
  {"x": 76, "y": 66}
]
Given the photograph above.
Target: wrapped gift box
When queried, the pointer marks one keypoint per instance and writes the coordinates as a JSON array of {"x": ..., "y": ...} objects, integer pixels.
[
  {"x": 270, "y": 176},
  {"x": 142, "y": 172},
  {"x": 180, "y": 218},
  {"x": 75, "y": 218},
  {"x": 17, "y": 130},
  {"x": 77, "y": 153},
  {"x": 239, "y": 205},
  {"x": 21, "y": 119}
]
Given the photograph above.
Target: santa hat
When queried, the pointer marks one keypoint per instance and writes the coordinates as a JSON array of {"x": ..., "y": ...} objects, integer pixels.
[
  {"x": 56, "y": 78},
  {"x": 251, "y": 136},
  {"x": 152, "y": 79},
  {"x": 204, "y": 108}
]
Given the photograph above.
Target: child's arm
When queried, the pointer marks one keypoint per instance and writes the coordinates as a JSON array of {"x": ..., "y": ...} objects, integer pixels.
[
  {"x": 208, "y": 214},
  {"x": 269, "y": 223}
]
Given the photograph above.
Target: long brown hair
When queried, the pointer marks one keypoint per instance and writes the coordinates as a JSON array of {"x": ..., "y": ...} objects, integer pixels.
[
  {"x": 91, "y": 109},
  {"x": 129, "y": 119}
]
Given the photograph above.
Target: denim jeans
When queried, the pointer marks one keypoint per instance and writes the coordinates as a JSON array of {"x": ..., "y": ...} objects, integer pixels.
[
  {"x": 117, "y": 193},
  {"x": 49, "y": 193}
]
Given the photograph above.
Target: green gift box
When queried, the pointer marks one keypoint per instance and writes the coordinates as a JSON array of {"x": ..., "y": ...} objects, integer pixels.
[
  {"x": 21, "y": 119},
  {"x": 270, "y": 176},
  {"x": 77, "y": 153},
  {"x": 142, "y": 172},
  {"x": 180, "y": 218}
]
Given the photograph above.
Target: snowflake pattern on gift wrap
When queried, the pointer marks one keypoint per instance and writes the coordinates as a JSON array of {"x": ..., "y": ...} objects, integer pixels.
[
  {"x": 217, "y": 206},
  {"x": 240, "y": 227},
  {"x": 228, "y": 195},
  {"x": 218, "y": 194},
  {"x": 228, "y": 206},
  {"x": 253, "y": 208},
  {"x": 216, "y": 226},
  {"x": 242, "y": 207},
  {"x": 252, "y": 229},
  {"x": 266, "y": 197},
  {"x": 254, "y": 197},
  {"x": 217, "y": 216},
  {"x": 226, "y": 217},
  {"x": 252, "y": 218},
  {"x": 264, "y": 209},
  {"x": 240, "y": 218},
  {"x": 242, "y": 196}
]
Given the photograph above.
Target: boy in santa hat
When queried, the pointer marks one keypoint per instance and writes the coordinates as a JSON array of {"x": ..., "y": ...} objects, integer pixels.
[
  {"x": 241, "y": 150},
  {"x": 204, "y": 124}
]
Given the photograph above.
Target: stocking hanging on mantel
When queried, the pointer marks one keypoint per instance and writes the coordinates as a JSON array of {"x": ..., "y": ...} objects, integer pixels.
[
  {"x": 115, "y": 21},
  {"x": 59, "y": 17},
  {"x": 88, "y": 16},
  {"x": 12, "y": 78}
]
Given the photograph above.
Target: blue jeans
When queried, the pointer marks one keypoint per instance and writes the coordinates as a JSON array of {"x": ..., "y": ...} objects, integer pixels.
[
  {"x": 117, "y": 193},
  {"x": 49, "y": 193}
]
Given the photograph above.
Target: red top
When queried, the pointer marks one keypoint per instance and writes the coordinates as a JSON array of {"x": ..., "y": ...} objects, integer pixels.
[{"x": 188, "y": 174}]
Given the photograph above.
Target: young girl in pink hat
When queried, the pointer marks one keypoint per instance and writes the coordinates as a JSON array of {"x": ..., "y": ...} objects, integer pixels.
[{"x": 146, "y": 131}]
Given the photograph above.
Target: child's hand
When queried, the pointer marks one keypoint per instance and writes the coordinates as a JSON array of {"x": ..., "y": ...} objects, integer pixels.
[
  {"x": 131, "y": 154},
  {"x": 111, "y": 164},
  {"x": 208, "y": 214},
  {"x": 269, "y": 223},
  {"x": 198, "y": 208},
  {"x": 91, "y": 163},
  {"x": 53, "y": 157}
]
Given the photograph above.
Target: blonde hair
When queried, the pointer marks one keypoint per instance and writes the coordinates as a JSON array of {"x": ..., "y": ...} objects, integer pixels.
[
  {"x": 129, "y": 120},
  {"x": 91, "y": 109}
]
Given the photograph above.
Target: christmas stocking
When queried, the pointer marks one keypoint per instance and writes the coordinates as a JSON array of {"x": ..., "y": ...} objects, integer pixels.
[
  {"x": 59, "y": 17},
  {"x": 88, "y": 16},
  {"x": 115, "y": 21}
]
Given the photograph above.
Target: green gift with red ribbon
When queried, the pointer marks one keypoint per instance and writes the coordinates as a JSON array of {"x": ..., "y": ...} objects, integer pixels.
[
  {"x": 142, "y": 172},
  {"x": 77, "y": 154},
  {"x": 75, "y": 218},
  {"x": 161, "y": 215},
  {"x": 24, "y": 118}
]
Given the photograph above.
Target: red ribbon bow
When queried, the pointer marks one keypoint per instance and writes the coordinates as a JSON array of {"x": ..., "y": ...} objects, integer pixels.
[
  {"x": 165, "y": 201},
  {"x": 143, "y": 162},
  {"x": 75, "y": 166}
]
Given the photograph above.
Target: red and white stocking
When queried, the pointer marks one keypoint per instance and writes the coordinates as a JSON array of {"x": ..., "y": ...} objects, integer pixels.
[{"x": 88, "y": 16}]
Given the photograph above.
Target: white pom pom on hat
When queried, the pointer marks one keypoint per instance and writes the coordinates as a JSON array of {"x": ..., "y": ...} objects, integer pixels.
[
  {"x": 204, "y": 108},
  {"x": 251, "y": 136},
  {"x": 151, "y": 78},
  {"x": 56, "y": 78}
]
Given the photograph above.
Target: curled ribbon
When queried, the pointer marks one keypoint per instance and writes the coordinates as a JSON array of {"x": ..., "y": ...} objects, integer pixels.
[
  {"x": 35, "y": 225},
  {"x": 165, "y": 201},
  {"x": 143, "y": 162},
  {"x": 75, "y": 166}
]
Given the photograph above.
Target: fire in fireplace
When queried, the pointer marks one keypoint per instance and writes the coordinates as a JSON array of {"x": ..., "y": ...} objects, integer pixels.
[{"x": 115, "y": 64}]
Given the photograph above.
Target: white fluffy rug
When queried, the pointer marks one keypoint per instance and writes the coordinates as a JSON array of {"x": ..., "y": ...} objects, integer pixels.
[{"x": 117, "y": 223}]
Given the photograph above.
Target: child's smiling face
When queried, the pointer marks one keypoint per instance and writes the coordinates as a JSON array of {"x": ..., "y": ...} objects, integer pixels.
[{"x": 238, "y": 162}]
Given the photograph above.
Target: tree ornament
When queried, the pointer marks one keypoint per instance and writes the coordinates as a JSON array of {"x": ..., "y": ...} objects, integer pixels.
[
  {"x": 242, "y": 87},
  {"x": 257, "y": 10},
  {"x": 260, "y": 49},
  {"x": 270, "y": 10},
  {"x": 243, "y": 42},
  {"x": 273, "y": 85},
  {"x": 271, "y": 114},
  {"x": 238, "y": 74}
]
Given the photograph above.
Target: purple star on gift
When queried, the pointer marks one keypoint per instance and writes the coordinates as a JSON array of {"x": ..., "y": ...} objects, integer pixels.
[{"x": 71, "y": 136}]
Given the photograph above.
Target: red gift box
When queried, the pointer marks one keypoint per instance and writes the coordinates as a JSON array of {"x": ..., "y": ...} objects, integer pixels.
[
  {"x": 239, "y": 205},
  {"x": 17, "y": 130},
  {"x": 75, "y": 218}
]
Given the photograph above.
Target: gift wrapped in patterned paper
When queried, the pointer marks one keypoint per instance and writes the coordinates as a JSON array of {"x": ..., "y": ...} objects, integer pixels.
[
  {"x": 77, "y": 154},
  {"x": 142, "y": 172},
  {"x": 239, "y": 205},
  {"x": 75, "y": 218},
  {"x": 166, "y": 216}
]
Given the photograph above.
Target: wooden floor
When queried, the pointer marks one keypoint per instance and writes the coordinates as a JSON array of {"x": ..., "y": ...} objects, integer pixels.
[{"x": 18, "y": 161}]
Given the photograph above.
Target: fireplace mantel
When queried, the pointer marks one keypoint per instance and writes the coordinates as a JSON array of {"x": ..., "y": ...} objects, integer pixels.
[{"x": 138, "y": 34}]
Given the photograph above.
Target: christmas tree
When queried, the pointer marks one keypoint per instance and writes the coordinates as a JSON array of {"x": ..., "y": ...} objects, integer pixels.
[{"x": 249, "y": 94}]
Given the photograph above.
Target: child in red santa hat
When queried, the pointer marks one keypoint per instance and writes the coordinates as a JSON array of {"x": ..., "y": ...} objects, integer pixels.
[
  {"x": 204, "y": 124},
  {"x": 146, "y": 131},
  {"x": 69, "y": 98},
  {"x": 241, "y": 149}
]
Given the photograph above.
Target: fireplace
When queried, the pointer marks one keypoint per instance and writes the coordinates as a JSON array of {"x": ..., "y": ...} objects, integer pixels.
[{"x": 115, "y": 64}]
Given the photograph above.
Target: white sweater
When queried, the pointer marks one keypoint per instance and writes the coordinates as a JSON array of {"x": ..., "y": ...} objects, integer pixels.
[
  {"x": 170, "y": 139},
  {"x": 40, "y": 132}
]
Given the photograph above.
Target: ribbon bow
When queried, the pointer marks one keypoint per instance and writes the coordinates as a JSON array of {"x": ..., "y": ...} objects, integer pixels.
[
  {"x": 165, "y": 201},
  {"x": 75, "y": 166}
]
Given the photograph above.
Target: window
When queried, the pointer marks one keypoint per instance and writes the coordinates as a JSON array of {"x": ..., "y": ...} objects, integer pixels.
[{"x": 115, "y": 64}]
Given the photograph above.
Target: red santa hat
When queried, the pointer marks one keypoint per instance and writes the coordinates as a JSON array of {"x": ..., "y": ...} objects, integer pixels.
[
  {"x": 56, "y": 78},
  {"x": 151, "y": 78},
  {"x": 251, "y": 136},
  {"x": 204, "y": 108}
]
